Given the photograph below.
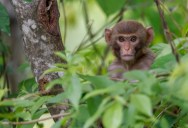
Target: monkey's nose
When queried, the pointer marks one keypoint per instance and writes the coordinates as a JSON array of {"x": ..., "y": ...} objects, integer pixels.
[{"x": 127, "y": 46}]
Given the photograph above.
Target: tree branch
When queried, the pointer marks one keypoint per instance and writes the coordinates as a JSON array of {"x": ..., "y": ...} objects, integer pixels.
[
  {"x": 36, "y": 120},
  {"x": 167, "y": 31},
  {"x": 39, "y": 23}
]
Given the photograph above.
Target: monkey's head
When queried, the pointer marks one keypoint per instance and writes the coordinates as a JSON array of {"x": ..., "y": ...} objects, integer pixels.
[{"x": 128, "y": 39}]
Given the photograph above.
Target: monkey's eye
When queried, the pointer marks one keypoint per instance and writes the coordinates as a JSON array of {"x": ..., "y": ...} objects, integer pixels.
[
  {"x": 121, "y": 39},
  {"x": 133, "y": 39}
]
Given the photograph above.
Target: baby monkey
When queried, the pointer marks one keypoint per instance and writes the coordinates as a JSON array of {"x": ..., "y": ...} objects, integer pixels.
[{"x": 129, "y": 41}]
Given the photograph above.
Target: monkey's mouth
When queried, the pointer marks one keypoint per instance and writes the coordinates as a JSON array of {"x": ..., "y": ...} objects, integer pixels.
[{"x": 127, "y": 57}]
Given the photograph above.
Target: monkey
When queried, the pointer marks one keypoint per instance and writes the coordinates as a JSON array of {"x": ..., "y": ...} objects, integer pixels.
[{"x": 129, "y": 41}]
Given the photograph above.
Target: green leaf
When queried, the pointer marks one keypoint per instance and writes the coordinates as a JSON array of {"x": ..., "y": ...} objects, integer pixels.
[
  {"x": 110, "y": 6},
  {"x": 24, "y": 115},
  {"x": 53, "y": 70},
  {"x": 97, "y": 114},
  {"x": 93, "y": 104},
  {"x": 185, "y": 30},
  {"x": 99, "y": 82},
  {"x": 28, "y": 85},
  {"x": 75, "y": 91},
  {"x": 130, "y": 115},
  {"x": 39, "y": 103},
  {"x": 116, "y": 87},
  {"x": 17, "y": 103},
  {"x": 142, "y": 103},
  {"x": 54, "y": 82},
  {"x": 58, "y": 124},
  {"x": 61, "y": 55},
  {"x": 166, "y": 50},
  {"x": 157, "y": 48},
  {"x": 164, "y": 123},
  {"x": 81, "y": 117},
  {"x": 166, "y": 61},
  {"x": 112, "y": 117},
  {"x": 58, "y": 98},
  {"x": 136, "y": 75},
  {"x": 2, "y": 92},
  {"x": 4, "y": 20}
]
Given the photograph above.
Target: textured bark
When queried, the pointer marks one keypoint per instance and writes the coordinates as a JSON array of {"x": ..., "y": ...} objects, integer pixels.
[{"x": 41, "y": 36}]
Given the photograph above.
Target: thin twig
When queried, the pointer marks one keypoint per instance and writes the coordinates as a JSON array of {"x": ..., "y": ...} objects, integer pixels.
[
  {"x": 173, "y": 20},
  {"x": 167, "y": 31},
  {"x": 86, "y": 17},
  {"x": 83, "y": 42},
  {"x": 162, "y": 75},
  {"x": 160, "y": 115},
  {"x": 103, "y": 58},
  {"x": 89, "y": 26},
  {"x": 36, "y": 120}
]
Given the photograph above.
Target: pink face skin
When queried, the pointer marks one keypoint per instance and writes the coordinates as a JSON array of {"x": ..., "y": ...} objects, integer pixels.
[
  {"x": 127, "y": 44},
  {"x": 126, "y": 37}
]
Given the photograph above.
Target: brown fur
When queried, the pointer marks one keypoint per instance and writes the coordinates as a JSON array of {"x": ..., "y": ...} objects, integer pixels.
[{"x": 143, "y": 57}]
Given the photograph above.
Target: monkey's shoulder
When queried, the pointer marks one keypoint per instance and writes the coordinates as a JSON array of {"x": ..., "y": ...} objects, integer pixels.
[{"x": 144, "y": 62}]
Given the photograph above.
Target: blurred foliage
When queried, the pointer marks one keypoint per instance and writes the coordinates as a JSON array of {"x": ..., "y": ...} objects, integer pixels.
[
  {"x": 157, "y": 98},
  {"x": 4, "y": 20}
]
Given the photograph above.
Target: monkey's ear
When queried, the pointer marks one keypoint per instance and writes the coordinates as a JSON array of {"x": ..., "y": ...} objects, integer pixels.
[
  {"x": 107, "y": 34},
  {"x": 150, "y": 34}
]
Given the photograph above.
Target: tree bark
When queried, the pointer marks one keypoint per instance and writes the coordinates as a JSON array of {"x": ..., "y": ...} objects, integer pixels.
[{"x": 41, "y": 36}]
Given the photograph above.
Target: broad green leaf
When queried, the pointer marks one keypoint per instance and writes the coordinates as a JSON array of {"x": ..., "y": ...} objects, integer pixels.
[
  {"x": 136, "y": 75},
  {"x": 185, "y": 30},
  {"x": 75, "y": 91},
  {"x": 4, "y": 20},
  {"x": 97, "y": 114},
  {"x": 93, "y": 104},
  {"x": 110, "y": 6},
  {"x": 157, "y": 48},
  {"x": 137, "y": 2},
  {"x": 112, "y": 117},
  {"x": 110, "y": 89},
  {"x": 81, "y": 116},
  {"x": 57, "y": 124},
  {"x": 17, "y": 103},
  {"x": 178, "y": 81},
  {"x": 54, "y": 82},
  {"x": 61, "y": 55},
  {"x": 164, "y": 123},
  {"x": 28, "y": 86},
  {"x": 3, "y": 49},
  {"x": 166, "y": 50},
  {"x": 166, "y": 61},
  {"x": 142, "y": 103},
  {"x": 130, "y": 115},
  {"x": 99, "y": 82},
  {"x": 24, "y": 115},
  {"x": 145, "y": 81},
  {"x": 51, "y": 70},
  {"x": 39, "y": 113},
  {"x": 7, "y": 116},
  {"x": 58, "y": 98},
  {"x": 38, "y": 104},
  {"x": 2, "y": 92}
]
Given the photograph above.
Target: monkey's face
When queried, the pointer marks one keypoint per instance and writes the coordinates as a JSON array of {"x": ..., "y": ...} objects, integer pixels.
[
  {"x": 127, "y": 45},
  {"x": 128, "y": 39}
]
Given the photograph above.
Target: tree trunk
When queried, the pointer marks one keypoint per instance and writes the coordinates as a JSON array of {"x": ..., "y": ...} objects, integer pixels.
[
  {"x": 16, "y": 57},
  {"x": 41, "y": 36}
]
